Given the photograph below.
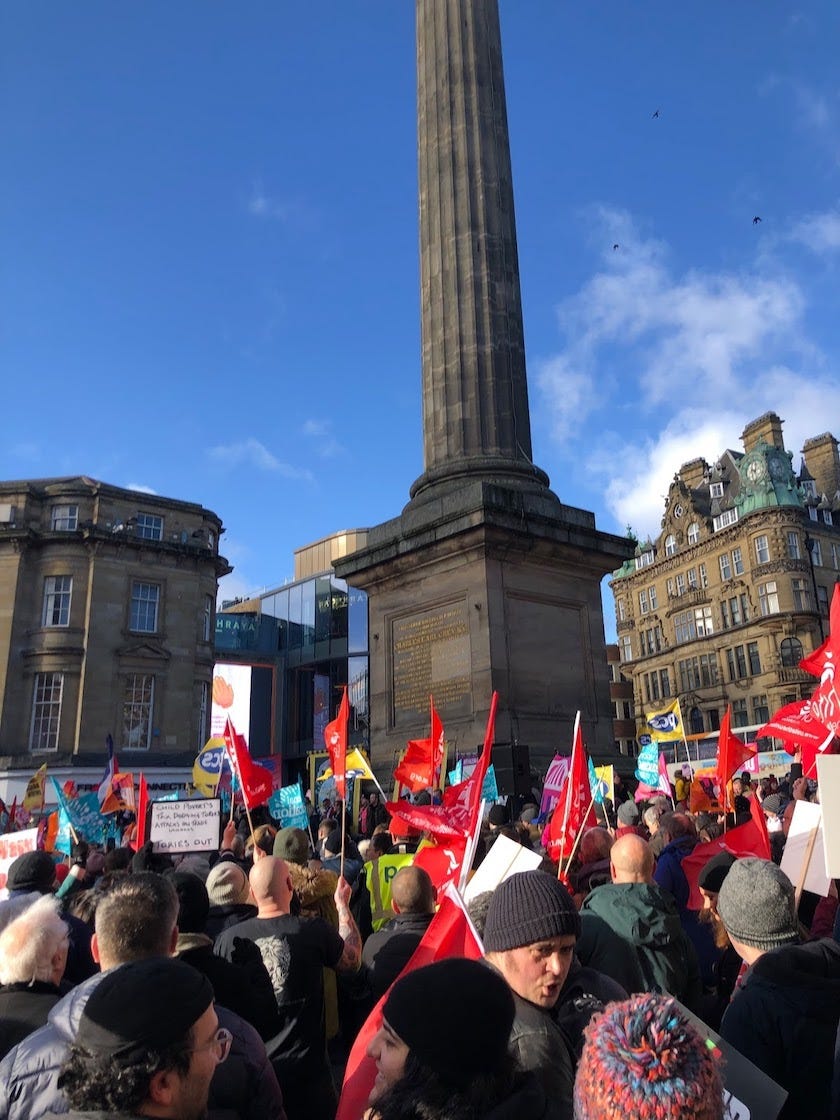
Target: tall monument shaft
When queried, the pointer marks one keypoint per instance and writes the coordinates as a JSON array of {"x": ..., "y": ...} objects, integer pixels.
[{"x": 475, "y": 394}]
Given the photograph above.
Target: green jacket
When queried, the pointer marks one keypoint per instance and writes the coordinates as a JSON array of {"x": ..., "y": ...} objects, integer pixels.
[{"x": 646, "y": 917}]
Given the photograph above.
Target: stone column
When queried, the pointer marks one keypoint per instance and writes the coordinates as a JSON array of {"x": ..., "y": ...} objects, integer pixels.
[{"x": 475, "y": 396}]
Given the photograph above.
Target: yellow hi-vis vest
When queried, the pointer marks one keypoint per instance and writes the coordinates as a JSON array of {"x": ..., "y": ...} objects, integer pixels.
[{"x": 378, "y": 875}]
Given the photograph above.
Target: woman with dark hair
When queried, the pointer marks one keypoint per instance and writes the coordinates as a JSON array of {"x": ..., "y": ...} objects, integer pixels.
[{"x": 442, "y": 1050}]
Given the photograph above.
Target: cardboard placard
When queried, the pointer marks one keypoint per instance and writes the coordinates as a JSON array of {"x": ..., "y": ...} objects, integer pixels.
[
  {"x": 12, "y": 845},
  {"x": 807, "y": 817},
  {"x": 828, "y": 776},
  {"x": 749, "y": 1094},
  {"x": 185, "y": 826},
  {"x": 504, "y": 859}
]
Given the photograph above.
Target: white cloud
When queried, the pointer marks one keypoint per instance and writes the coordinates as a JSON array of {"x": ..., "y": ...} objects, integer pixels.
[
  {"x": 252, "y": 453},
  {"x": 326, "y": 445},
  {"x": 818, "y": 232},
  {"x": 140, "y": 488}
]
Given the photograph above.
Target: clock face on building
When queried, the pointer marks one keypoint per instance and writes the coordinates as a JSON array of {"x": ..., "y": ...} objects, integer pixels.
[
  {"x": 756, "y": 470},
  {"x": 778, "y": 469}
]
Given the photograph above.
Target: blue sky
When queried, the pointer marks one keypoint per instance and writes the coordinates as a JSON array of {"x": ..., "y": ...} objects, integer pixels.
[{"x": 208, "y": 249}]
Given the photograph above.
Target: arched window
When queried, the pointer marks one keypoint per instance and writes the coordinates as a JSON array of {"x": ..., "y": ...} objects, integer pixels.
[
  {"x": 670, "y": 544},
  {"x": 791, "y": 651},
  {"x": 693, "y": 533},
  {"x": 696, "y": 719}
]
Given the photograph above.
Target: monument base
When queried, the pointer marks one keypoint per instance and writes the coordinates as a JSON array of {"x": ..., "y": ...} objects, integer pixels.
[{"x": 479, "y": 587}]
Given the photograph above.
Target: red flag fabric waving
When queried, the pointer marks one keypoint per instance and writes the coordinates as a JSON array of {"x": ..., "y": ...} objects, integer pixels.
[
  {"x": 335, "y": 738},
  {"x": 442, "y": 861},
  {"x": 796, "y": 726},
  {"x": 256, "y": 783},
  {"x": 457, "y": 817},
  {"x": 825, "y": 701},
  {"x": 420, "y": 766},
  {"x": 732, "y": 753},
  {"x": 450, "y": 934},
  {"x": 573, "y": 811},
  {"x": 748, "y": 839},
  {"x": 142, "y": 806}
]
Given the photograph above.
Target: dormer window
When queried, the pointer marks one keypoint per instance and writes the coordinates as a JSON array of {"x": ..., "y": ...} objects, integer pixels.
[
  {"x": 716, "y": 489},
  {"x": 809, "y": 488},
  {"x": 644, "y": 560},
  {"x": 670, "y": 545}
]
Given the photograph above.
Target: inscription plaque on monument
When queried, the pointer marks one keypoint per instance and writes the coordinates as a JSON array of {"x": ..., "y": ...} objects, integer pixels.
[{"x": 431, "y": 656}]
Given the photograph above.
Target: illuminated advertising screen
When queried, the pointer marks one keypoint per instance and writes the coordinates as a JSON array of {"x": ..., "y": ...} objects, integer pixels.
[{"x": 231, "y": 699}]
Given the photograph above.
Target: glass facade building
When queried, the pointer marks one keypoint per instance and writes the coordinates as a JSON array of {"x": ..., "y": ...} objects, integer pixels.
[{"x": 313, "y": 635}]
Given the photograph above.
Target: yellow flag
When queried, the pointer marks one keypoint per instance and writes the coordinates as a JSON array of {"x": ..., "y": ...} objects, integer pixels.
[
  {"x": 358, "y": 766},
  {"x": 207, "y": 768},
  {"x": 666, "y": 723},
  {"x": 34, "y": 796}
]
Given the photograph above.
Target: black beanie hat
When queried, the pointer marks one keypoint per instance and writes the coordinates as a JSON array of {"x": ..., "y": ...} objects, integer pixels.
[
  {"x": 147, "y": 859},
  {"x": 472, "y": 1034},
  {"x": 712, "y": 875},
  {"x": 33, "y": 871},
  {"x": 144, "y": 1005},
  {"x": 193, "y": 901},
  {"x": 528, "y": 907},
  {"x": 498, "y": 816},
  {"x": 332, "y": 844}
]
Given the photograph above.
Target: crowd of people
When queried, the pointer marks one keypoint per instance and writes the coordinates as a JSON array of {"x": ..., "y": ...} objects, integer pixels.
[{"x": 233, "y": 984}]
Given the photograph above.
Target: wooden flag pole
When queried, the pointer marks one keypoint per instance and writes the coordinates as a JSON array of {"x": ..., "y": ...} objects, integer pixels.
[
  {"x": 343, "y": 828},
  {"x": 577, "y": 839}
]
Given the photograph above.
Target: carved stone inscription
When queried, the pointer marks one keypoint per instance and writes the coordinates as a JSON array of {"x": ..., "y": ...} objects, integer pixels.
[{"x": 431, "y": 655}]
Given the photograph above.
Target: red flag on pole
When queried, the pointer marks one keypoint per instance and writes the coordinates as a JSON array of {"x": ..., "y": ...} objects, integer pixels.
[
  {"x": 748, "y": 839},
  {"x": 732, "y": 753},
  {"x": 570, "y": 813},
  {"x": 142, "y": 806},
  {"x": 450, "y": 934},
  {"x": 256, "y": 783},
  {"x": 420, "y": 765},
  {"x": 335, "y": 738}
]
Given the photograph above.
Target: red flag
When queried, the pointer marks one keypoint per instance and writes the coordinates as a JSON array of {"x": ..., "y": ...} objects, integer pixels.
[
  {"x": 573, "y": 811},
  {"x": 732, "y": 753},
  {"x": 142, "y": 806},
  {"x": 450, "y": 934},
  {"x": 256, "y": 783},
  {"x": 748, "y": 839},
  {"x": 70, "y": 788},
  {"x": 420, "y": 765},
  {"x": 335, "y": 738},
  {"x": 457, "y": 817},
  {"x": 797, "y": 727},
  {"x": 442, "y": 861}
]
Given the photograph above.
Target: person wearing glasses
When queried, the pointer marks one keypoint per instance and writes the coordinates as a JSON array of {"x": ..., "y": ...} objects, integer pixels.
[{"x": 148, "y": 1044}]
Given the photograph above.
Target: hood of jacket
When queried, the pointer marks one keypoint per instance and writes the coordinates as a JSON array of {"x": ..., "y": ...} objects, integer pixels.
[
  {"x": 680, "y": 847},
  {"x": 806, "y": 977},
  {"x": 639, "y": 912},
  {"x": 315, "y": 890}
]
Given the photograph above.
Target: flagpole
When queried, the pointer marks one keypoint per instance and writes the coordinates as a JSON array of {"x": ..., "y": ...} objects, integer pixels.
[
  {"x": 567, "y": 808},
  {"x": 577, "y": 840},
  {"x": 343, "y": 827},
  {"x": 236, "y": 770}
]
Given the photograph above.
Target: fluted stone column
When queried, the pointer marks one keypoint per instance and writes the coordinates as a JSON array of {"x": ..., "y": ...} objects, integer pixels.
[{"x": 475, "y": 395}]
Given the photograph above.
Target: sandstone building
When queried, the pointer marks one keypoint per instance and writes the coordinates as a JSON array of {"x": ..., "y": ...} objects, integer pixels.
[
  {"x": 720, "y": 608},
  {"x": 107, "y": 624}
]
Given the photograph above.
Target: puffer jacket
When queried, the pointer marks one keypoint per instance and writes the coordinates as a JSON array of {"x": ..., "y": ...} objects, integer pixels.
[{"x": 243, "y": 1088}]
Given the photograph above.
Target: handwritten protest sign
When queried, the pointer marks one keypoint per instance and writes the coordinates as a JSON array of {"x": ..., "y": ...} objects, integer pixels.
[
  {"x": 12, "y": 845},
  {"x": 185, "y": 826}
]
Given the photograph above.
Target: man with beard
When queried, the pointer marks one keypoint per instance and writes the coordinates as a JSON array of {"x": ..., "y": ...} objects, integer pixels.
[
  {"x": 148, "y": 1044},
  {"x": 709, "y": 882}
]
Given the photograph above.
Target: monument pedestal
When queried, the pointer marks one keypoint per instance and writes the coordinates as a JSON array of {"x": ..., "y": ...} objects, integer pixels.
[{"x": 481, "y": 586}]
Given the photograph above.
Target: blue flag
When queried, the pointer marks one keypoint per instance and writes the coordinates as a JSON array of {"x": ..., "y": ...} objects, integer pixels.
[
  {"x": 597, "y": 786},
  {"x": 647, "y": 765},
  {"x": 490, "y": 790},
  {"x": 287, "y": 806}
]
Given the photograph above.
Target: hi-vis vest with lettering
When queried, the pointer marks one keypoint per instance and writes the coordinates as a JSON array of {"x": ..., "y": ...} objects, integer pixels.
[{"x": 378, "y": 874}]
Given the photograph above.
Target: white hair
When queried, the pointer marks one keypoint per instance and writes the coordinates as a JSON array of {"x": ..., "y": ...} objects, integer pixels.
[{"x": 29, "y": 943}]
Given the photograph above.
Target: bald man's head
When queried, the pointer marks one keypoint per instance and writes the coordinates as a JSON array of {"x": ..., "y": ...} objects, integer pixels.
[
  {"x": 631, "y": 860},
  {"x": 271, "y": 885},
  {"x": 412, "y": 891}
]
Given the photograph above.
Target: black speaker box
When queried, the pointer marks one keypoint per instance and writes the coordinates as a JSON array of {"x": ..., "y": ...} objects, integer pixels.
[{"x": 512, "y": 764}]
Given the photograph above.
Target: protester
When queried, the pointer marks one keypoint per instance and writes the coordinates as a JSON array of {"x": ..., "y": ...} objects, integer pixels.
[
  {"x": 709, "y": 882},
  {"x": 33, "y": 956},
  {"x": 135, "y": 921},
  {"x": 295, "y": 951},
  {"x": 643, "y": 1060},
  {"x": 148, "y": 1044},
  {"x": 387, "y": 952},
  {"x": 646, "y": 918},
  {"x": 529, "y": 936},
  {"x": 331, "y": 859},
  {"x": 627, "y": 816},
  {"x": 433, "y": 1066},
  {"x": 679, "y": 838},
  {"x": 784, "y": 1015},
  {"x": 229, "y": 894}
]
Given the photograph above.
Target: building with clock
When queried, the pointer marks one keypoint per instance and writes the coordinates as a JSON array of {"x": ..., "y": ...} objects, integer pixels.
[{"x": 735, "y": 590}]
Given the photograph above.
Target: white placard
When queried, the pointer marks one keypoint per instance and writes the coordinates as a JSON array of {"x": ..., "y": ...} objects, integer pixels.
[
  {"x": 806, "y": 818},
  {"x": 504, "y": 859},
  {"x": 12, "y": 845},
  {"x": 828, "y": 776},
  {"x": 185, "y": 826}
]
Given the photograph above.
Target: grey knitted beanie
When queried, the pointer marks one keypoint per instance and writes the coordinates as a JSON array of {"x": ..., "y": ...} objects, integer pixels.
[
  {"x": 756, "y": 904},
  {"x": 528, "y": 907}
]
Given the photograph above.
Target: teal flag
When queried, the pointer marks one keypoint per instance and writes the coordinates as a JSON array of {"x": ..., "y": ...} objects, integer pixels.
[
  {"x": 490, "y": 789},
  {"x": 287, "y": 806},
  {"x": 457, "y": 775}
]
